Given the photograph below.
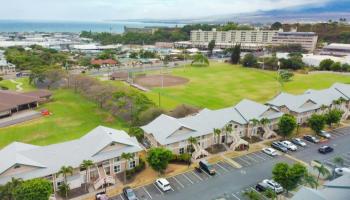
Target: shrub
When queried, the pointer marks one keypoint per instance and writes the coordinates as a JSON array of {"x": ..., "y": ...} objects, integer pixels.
[
  {"x": 326, "y": 64},
  {"x": 132, "y": 172},
  {"x": 181, "y": 158}
]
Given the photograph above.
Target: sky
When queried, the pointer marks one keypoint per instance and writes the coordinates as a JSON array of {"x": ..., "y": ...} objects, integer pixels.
[{"x": 98, "y": 10}]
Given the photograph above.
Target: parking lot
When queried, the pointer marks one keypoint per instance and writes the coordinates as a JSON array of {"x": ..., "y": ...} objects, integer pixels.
[
  {"x": 179, "y": 182},
  {"x": 255, "y": 167}
]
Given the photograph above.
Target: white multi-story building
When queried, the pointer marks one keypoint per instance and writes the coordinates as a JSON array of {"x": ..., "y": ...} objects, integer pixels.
[
  {"x": 249, "y": 39},
  {"x": 308, "y": 40},
  {"x": 253, "y": 39}
]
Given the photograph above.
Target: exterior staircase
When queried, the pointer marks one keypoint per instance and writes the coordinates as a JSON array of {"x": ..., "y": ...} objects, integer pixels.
[
  {"x": 237, "y": 141},
  {"x": 198, "y": 152},
  {"x": 103, "y": 178},
  {"x": 268, "y": 132}
]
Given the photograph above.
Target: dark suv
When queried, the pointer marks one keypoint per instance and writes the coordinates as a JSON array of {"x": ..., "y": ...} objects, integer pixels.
[{"x": 325, "y": 149}]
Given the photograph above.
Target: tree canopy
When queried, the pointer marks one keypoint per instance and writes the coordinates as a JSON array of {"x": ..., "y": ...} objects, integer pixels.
[
  {"x": 286, "y": 125},
  {"x": 317, "y": 123},
  {"x": 158, "y": 158},
  {"x": 38, "y": 189},
  {"x": 289, "y": 176}
]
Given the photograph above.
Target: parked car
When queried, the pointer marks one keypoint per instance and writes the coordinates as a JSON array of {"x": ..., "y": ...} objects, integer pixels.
[
  {"x": 273, "y": 185},
  {"x": 101, "y": 196},
  {"x": 204, "y": 165},
  {"x": 261, "y": 187},
  {"x": 311, "y": 138},
  {"x": 325, "y": 149},
  {"x": 325, "y": 134},
  {"x": 270, "y": 151},
  {"x": 129, "y": 193},
  {"x": 290, "y": 146},
  {"x": 342, "y": 170},
  {"x": 279, "y": 146},
  {"x": 299, "y": 142},
  {"x": 163, "y": 184}
]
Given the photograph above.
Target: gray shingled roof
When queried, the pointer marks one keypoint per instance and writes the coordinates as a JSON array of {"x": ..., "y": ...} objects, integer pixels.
[
  {"x": 205, "y": 121},
  {"x": 49, "y": 159},
  {"x": 319, "y": 97},
  {"x": 306, "y": 193}
]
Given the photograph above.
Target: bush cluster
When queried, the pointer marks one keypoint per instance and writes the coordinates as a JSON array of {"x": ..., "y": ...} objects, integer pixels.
[{"x": 132, "y": 172}]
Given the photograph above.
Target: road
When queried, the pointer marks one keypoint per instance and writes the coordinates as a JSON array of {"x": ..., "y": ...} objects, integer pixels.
[{"x": 230, "y": 183}]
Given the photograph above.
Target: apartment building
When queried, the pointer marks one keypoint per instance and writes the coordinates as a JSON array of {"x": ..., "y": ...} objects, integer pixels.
[
  {"x": 253, "y": 39},
  {"x": 308, "y": 40},
  {"x": 249, "y": 39},
  {"x": 104, "y": 146},
  {"x": 314, "y": 102},
  {"x": 172, "y": 133}
]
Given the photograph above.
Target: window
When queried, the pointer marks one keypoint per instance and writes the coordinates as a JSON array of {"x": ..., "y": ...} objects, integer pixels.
[
  {"x": 132, "y": 164},
  {"x": 182, "y": 150},
  {"x": 17, "y": 166},
  {"x": 116, "y": 168},
  {"x": 117, "y": 159}
]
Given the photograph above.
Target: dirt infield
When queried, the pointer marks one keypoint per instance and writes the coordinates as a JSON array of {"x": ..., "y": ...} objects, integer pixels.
[{"x": 151, "y": 81}]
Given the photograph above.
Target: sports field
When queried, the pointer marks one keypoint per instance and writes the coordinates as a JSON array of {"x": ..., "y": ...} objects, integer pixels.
[
  {"x": 72, "y": 117},
  {"x": 221, "y": 85}
]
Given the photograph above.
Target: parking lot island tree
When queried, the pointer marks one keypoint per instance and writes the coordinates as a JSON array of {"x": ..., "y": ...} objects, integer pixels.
[
  {"x": 286, "y": 125},
  {"x": 310, "y": 180},
  {"x": 158, "y": 158},
  {"x": 317, "y": 123},
  {"x": 322, "y": 170},
  {"x": 289, "y": 176}
]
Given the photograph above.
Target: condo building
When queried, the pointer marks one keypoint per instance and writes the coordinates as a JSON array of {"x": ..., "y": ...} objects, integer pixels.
[{"x": 253, "y": 39}]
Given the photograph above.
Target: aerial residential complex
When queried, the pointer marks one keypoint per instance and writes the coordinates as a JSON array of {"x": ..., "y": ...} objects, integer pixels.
[
  {"x": 104, "y": 146},
  {"x": 253, "y": 39},
  {"x": 246, "y": 119}
]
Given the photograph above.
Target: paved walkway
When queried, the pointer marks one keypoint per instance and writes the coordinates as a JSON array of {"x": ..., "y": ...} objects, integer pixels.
[
  {"x": 20, "y": 117},
  {"x": 19, "y": 87}
]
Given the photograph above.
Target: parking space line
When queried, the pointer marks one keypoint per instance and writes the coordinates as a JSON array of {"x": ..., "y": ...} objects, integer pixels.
[
  {"x": 252, "y": 158},
  {"x": 206, "y": 173},
  {"x": 158, "y": 189},
  {"x": 178, "y": 181},
  {"x": 121, "y": 197},
  {"x": 248, "y": 163},
  {"x": 144, "y": 189},
  {"x": 257, "y": 155},
  {"x": 222, "y": 167},
  {"x": 235, "y": 196},
  {"x": 197, "y": 176},
  {"x": 187, "y": 178}
]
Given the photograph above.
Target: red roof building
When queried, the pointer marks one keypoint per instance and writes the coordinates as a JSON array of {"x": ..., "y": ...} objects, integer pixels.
[{"x": 104, "y": 62}]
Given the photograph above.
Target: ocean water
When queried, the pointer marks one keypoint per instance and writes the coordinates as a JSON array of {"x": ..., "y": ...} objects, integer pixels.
[{"x": 75, "y": 27}]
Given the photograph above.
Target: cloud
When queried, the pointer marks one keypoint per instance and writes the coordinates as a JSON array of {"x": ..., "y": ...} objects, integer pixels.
[{"x": 87, "y": 10}]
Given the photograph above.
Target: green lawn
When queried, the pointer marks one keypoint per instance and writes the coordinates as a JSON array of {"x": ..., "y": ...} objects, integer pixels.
[
  {"x": 12, "y": 86},
  {"x": 73, "y": 116},
  {"x": 222, "y": 85}
]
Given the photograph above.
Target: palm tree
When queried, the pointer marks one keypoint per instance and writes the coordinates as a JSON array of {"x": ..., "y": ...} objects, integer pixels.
[
  {"x": 127, "y": 157},
  {"x": 323, "y": 108},
  {"x": 310, "y": 180},
  {"x": 193, "y": 141},
  {"x": 339, "y": 161},
  {"x": 322, "y": 170},
  {"x": 228, "y": 130},
  {"x": 254, "y": 122},
  {"x": 65, "y": 170},
  {"x": 200, "y": 59},
  {"x": 86, "y": 164},
  {"x": 217, "y": 133}
]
